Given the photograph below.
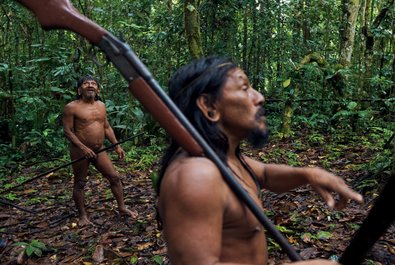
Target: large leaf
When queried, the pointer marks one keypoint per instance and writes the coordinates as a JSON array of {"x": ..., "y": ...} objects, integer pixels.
[{"x": 287, "y": 82}]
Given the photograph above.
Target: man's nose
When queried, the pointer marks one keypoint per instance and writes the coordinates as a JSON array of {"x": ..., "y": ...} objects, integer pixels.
[{"x": 259, "y": 99}]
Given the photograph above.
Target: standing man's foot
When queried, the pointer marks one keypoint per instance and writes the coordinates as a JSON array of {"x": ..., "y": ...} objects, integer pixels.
[
  {"x": 84, "y": 221},
  {"x": 128, "y": 212}
]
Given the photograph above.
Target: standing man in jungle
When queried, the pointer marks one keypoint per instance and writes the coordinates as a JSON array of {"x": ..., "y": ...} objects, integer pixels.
[
  {"x": 204, "y": 222},
  {"x": 85, "y": 124}
]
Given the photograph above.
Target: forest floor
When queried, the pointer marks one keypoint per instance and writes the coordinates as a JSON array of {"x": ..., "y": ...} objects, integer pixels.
[{"x": 309, "y": 225}]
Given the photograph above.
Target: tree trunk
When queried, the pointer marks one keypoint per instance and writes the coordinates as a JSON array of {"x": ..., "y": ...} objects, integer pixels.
[
  {"x": 297, "y": 27},
  {"x": 305, "y": 25},
  {"x": 347, "y": 30},
  {"x": 245, "y": 37},
  {"x": 392, "y": 92},
  {"x": 369, "y": 41},
  {"x": 192, "y": 28},
  {"x": 252, "y": 54},
  {"x": 287, "y": 120}
]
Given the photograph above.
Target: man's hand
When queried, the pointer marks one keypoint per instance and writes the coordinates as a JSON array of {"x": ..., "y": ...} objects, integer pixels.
[
  {"x": 324, "y": 183},
  {"x": 88, "y": 153},
  {"x": 120, "y": 152}
]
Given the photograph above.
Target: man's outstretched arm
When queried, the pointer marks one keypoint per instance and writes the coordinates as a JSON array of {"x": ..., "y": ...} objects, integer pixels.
[{"x": 281, "y": 178}]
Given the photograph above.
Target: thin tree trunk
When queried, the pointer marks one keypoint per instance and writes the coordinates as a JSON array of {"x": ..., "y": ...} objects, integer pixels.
[
  {"x": 192, "y": 28},
  {"x": 169, "y": 5},
  {"x": 369, "y": 43},
  {"x": 392, "y": 91},
  {"x": 305, "y": 25},
  {"x": 245, "y": 37},
  {"x": 350, "y": 10},
  {"x": 287, "y": 119},
  {"x": 297, "y": 28}
]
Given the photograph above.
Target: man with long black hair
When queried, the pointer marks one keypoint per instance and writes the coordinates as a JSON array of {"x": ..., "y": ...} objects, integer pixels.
[
  {"x": 203, "y": 220},
  {"x": 85, "y": 124}
]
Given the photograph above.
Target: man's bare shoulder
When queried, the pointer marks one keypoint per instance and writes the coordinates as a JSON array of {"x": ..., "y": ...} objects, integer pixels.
[
  {"x": 191, "y": 182},
  {"x": 72, "y": 104},
  {"x": 201, "y": 167},
  {"x": 100, "y": 103},
  {"x": 195, "y": 174},
  {"x": 70, "y": 107},
  {"x": 257, "y": 166}
]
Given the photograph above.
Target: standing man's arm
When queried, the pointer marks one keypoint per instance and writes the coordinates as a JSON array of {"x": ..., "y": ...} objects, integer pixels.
[
  {"x": 110, "y": 135},
  {"x": 68, "y": 128}
]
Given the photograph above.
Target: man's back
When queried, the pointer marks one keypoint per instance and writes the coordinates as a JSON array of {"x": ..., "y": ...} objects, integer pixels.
[{"x": 202, "y": 215}]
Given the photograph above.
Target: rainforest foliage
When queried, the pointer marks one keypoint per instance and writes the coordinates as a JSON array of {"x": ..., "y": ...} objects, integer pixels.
[{"x": 324, "y": 67}]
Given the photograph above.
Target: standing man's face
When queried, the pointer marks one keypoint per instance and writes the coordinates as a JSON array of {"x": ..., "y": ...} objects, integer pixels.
[
  {"x": 241, "y": 109},
  {"x": 89, "y": 89}
]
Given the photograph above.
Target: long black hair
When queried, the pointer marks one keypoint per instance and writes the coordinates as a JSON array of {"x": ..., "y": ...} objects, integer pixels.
[{"x": 202, "y": 76}]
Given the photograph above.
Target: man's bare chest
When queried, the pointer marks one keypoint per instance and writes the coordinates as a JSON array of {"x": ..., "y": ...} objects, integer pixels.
[
  {"x": 238, "y": 220},
  {"x": 90, "y": 114}
]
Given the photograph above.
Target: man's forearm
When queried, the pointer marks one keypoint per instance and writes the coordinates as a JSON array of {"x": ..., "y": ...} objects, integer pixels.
[
  {"x": 282, "y": 178},
  {"x": 73, "y": 139},
  {"x": 110, "y": 135}
]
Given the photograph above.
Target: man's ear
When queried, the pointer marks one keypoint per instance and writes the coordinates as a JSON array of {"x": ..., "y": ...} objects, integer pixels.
[
  {"x": 206, "y": 104},
  {"x": 79, "y": 91}
]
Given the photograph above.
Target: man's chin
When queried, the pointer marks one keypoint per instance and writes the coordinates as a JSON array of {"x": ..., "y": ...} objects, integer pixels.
[{"x": 258, "y": 137}]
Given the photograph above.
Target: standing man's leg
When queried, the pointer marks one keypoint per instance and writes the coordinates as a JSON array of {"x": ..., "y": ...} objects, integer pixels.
[
  {"x": 105, "y": 166},
  {"x": 80, "y": 170}
]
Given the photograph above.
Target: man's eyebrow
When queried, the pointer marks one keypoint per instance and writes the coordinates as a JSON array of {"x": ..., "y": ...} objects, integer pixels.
[{"x": 243, "y": 77}]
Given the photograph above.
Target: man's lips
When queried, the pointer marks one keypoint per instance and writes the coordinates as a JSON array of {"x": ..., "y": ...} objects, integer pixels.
[{"x": 260, "y": 113}]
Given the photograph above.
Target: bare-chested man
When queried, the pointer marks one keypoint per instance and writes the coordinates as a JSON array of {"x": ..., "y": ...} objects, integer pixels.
[
  {"x": 203, "y": 221},
  {"x": 85, "y": 124}
]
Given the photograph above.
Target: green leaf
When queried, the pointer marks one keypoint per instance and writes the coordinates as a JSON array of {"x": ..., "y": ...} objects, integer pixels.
[
  {"x": 36, "y": 45},
  {"x": 307, "y": 237},
  {"x": 29, "y": 250},
  {"x": 20, "y": 244},
  {"x": 352, "y": 105},
  {"x": 284, "y": 230},
  {"x": 43, "y": 59},
  {"x": 38, "y": 252},
  {"x": 3, "y": 67},
  {"x": 157, "y": 259},
  {"x": 287, "y": 82},
  {"x": 38, "y": 244},
  {"x": 155, "y": 181},
  {"x": 11, "y": 196},
  {"x": 324, "y": 235},
  {"x": 191, "y": 8},
  {"x": 133, "y": 260},
  {"x": 131, "y": 25}
]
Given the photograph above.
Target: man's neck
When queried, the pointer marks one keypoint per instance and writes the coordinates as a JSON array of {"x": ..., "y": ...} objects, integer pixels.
[
  {"x": 88, "y": 100},
  {"x": 232, "y": 151}
]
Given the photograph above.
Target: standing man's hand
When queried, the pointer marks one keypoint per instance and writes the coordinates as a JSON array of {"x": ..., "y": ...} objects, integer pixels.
[
  {"x": 88, "y": 153},
  {"x": 120, "y": 152}
]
